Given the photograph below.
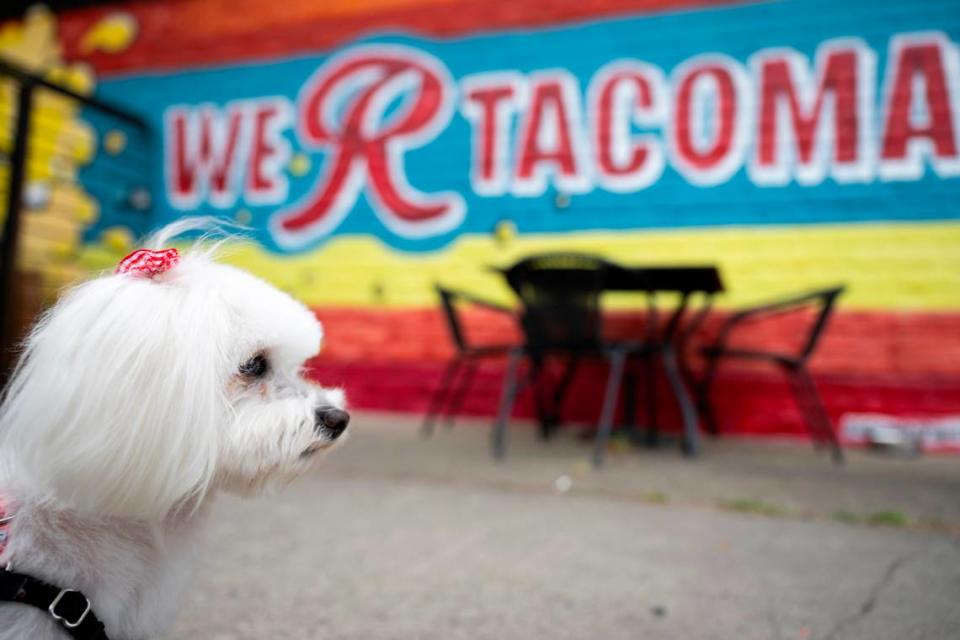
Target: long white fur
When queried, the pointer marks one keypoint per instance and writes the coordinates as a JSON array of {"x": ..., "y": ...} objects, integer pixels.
[{"x": 127, "y": 414}]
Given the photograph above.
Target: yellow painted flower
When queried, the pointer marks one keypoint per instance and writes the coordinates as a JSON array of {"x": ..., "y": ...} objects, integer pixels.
[
  {"x": 112, "y": 34},
  {"x": 118, "y": 239},
  {"x": 114, "y": 142},
  {"x": 299, "y": 165},
  {"x": 505, "y": 231}
]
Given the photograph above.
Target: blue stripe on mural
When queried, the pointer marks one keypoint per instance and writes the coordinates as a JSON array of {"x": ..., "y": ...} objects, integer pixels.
[{"x": 433, "y": 199}]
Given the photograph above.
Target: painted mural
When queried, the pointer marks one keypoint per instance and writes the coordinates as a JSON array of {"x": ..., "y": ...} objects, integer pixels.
[
  {"x": 794, "y": 144},
  {"x": 621, "y": 144},
  {"x": 615, "y": 128}
]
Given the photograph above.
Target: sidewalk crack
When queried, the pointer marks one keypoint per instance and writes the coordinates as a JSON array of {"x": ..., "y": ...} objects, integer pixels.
[{"x": 871, "y": 600}]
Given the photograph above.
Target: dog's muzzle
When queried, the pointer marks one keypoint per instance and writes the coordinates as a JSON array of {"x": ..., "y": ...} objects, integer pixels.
[{"x": 331, "y": 422}]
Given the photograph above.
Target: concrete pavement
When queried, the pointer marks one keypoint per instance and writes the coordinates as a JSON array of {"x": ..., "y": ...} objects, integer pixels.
[{"x": 400, "y": 538}]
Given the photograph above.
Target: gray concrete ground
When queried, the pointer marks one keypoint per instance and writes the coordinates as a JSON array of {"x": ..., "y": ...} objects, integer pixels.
[{"x": 398, "y": 537}]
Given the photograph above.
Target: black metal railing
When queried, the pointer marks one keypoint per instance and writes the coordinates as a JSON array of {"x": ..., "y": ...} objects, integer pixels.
[{"x": 63, "y": 156}]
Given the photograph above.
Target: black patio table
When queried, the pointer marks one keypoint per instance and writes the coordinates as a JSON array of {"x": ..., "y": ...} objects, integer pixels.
[{"x": 666, "y": 341}]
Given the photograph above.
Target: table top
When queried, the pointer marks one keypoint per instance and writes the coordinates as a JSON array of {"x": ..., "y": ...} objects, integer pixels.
[
  {"x": 651, "y": 278},
  {"x": 685, "y": 279}
]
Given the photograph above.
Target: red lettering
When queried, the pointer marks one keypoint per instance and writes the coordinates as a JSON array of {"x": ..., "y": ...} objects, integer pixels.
[
  {"x": 367, "y": 147},
  {"x": 777, "y": 83},
  {"x": 919, "y": 61},
  {"x": 204, "y": 153},
  {"x": 724, "y": 113},
  {"x": 489, "y": 101},
  {"x": 546, "y": 140},
  {"x": 604, "y": 139},
  {"x": 262, "y": 150}
]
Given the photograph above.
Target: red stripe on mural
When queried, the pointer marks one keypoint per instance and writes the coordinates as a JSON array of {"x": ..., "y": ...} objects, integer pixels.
[
  {"x": 859, "y": 343},
  {"x": 905, "y": 364},
  {"x": 177, "y": 34},
  {"x": 745, "y": 402}
]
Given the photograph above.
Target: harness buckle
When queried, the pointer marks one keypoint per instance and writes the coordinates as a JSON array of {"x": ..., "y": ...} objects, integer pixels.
[{"x": 62, "y": 619}]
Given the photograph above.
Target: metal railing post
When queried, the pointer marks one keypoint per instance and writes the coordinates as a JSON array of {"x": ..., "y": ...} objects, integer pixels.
[{"x": 17, "y": 177}]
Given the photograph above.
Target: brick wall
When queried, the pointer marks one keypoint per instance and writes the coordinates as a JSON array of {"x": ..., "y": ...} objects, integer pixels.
[{"x": 868, "y": 198}]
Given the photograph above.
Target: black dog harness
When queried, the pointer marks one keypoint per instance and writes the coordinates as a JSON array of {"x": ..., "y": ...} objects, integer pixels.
[{"x": 70, "y": 608}]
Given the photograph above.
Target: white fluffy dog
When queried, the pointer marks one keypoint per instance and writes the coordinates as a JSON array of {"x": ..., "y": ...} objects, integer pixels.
[{"x": 139, "y": 396}]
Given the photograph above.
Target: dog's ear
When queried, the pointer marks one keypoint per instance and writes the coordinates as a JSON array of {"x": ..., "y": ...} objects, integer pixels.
[{"x": 115, "y": 405}]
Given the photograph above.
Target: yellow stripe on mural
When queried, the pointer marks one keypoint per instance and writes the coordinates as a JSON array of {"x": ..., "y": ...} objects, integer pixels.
[{"x": 887, "y": 266}]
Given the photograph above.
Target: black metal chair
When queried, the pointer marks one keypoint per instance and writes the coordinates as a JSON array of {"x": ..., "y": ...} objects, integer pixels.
[
  {"x": 560, "y": 316},
  {"x": 794, "y": 365},
  {"x": 454, "y": 386}
]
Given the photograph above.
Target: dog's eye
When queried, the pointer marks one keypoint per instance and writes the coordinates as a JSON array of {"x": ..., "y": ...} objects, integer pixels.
[{"x": 255, "y": 367}]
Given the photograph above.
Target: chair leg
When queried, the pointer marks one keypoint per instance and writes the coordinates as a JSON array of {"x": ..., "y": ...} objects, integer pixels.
[
  {"x": 683, "y": 361},
  {"x": 617, "y": 360},
  {"x": 691, "y": 440},
  {"x": 466, "y": 381},
  {"x": 802, "y": 399},
  {"x": 650, "y": 397},
  {"x": 559, "y": 392},
  {"x": 815, "y": 413},
  {"x": 440, "y": 396},
  {"x": 702, "y": 390},
  {"x": 540, "y": 384},
  {"x": 630, "y": 404},
  {"x": 507, "y": 397}
]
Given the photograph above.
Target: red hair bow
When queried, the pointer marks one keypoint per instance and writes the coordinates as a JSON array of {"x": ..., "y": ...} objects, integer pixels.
[{"x": 150, "y": 263}]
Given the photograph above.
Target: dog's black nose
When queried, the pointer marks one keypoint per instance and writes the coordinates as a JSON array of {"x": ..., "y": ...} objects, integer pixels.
[{"x": 331, "y": 421}]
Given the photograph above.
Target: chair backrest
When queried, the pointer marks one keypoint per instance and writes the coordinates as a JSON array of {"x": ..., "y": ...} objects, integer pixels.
[
  {"x": 819, "y": 304},
  {"x": 452, "y": 316},
  {"x": 826, "y": 299},
  {"x": 560, "y": 294}
]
